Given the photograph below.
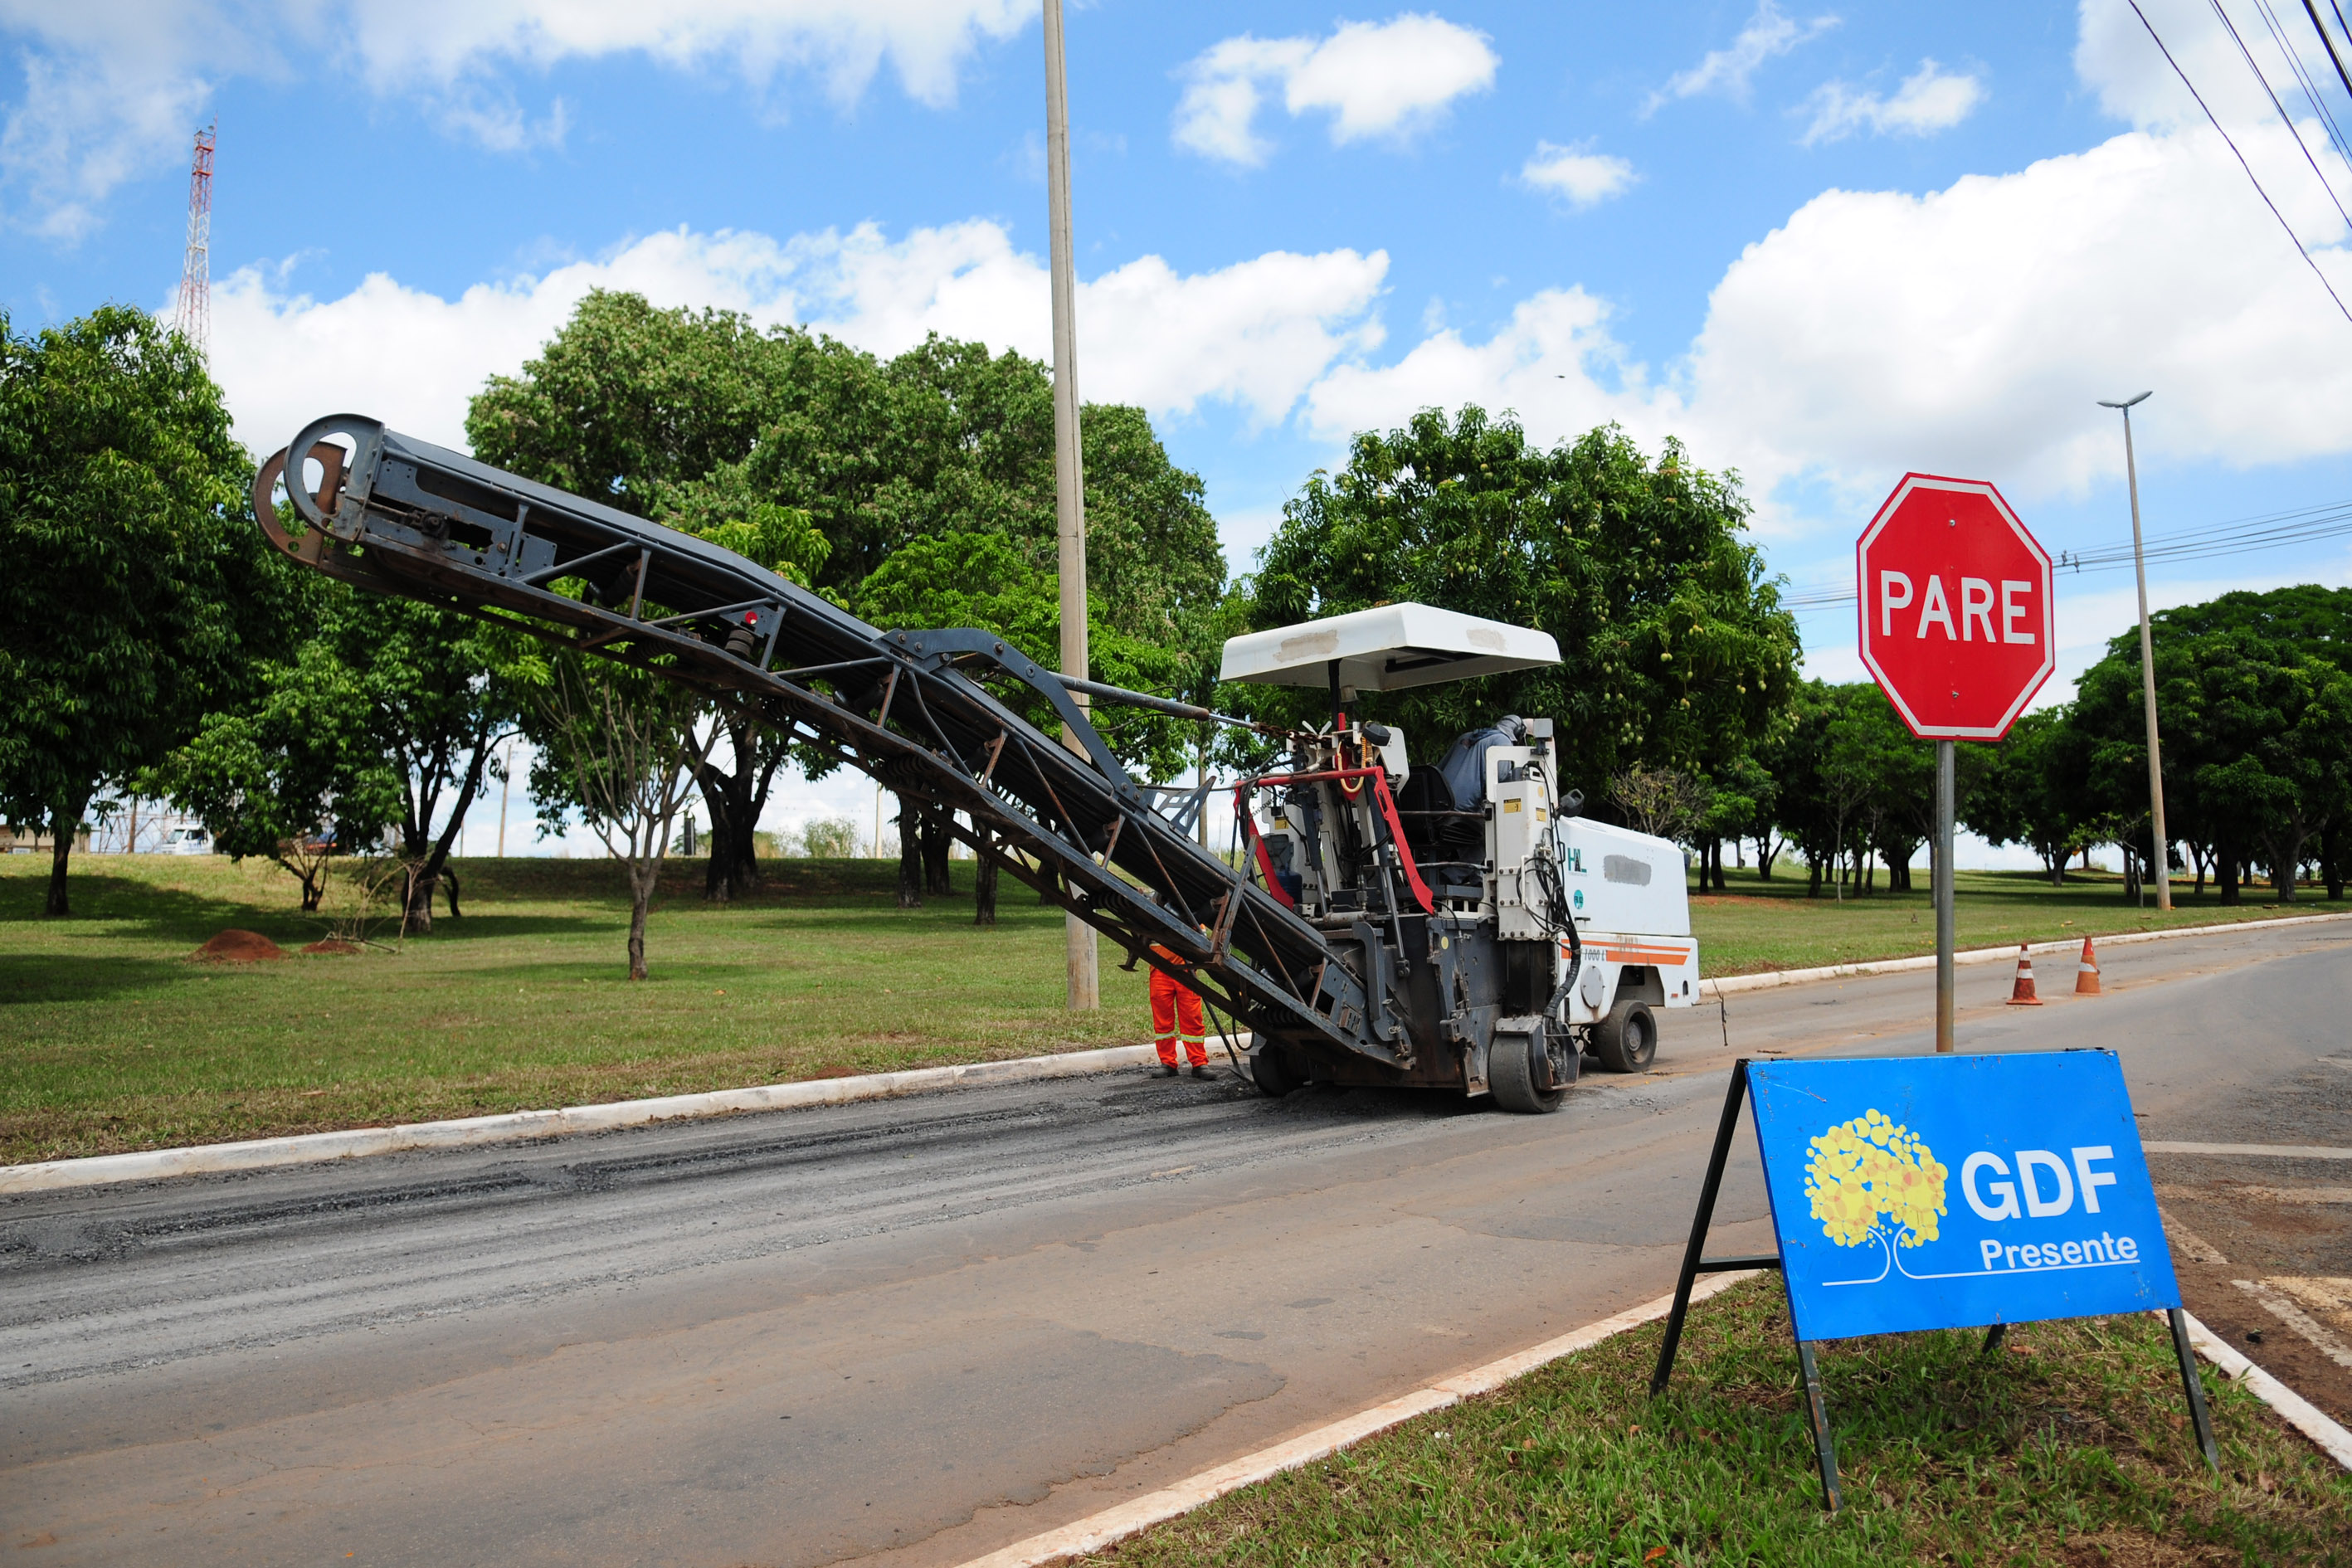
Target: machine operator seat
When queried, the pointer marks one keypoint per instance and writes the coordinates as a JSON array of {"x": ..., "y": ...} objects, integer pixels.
[{"x": 1445, "y": 805}]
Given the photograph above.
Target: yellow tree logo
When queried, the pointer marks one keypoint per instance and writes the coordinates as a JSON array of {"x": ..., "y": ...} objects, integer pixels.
[{"x": 1870, "y": 1179}]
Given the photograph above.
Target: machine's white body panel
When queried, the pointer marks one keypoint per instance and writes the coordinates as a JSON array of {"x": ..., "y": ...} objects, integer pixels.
[{"x": 1632, "y": 907}]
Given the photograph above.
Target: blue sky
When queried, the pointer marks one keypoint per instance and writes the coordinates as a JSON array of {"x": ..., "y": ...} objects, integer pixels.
[{"x": 1823, "y": 242}]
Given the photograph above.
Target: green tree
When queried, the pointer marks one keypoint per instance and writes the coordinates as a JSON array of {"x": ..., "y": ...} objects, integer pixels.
[
  {"x": 618, "y": 744},
  {"x": 1676, "y": 653},
  {"x": 2031, "y": 792},
  {"x": 839, "y": 460},
  {"x": 2237, "y": 785},
  {"x": 138, "y": 593},
  {"x": 293, "y": 777},
  {"x": 443, "y": 692}
]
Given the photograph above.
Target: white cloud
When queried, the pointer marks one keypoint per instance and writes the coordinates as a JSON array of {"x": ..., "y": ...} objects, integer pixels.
[
  {"x": 1255, "y": 334},
  {"x": 1374, "y": 78},
  {"x": 1967, "y": 330},
  {"x": 1768, "y": 34},
  {"x": 1930, "y": 100},
  {"x": 1554, "y": 363},
  {"x": 1971, "y": 330},
  {"x": 1583, "y": 179},
  {"x": 114, "y": 86}
]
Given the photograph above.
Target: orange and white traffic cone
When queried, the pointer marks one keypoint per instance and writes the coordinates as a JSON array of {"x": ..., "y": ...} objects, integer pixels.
[
  {"x": 2086, "y": 978},
  {"x": 2021, "y": 994}
]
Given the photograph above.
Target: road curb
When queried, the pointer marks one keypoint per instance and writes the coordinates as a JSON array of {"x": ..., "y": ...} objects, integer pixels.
[
  {"x": 311, "y": 1148},
  {"x": 2289, "y": 1406},
  {"x": 1115, "y": 1524},
  {"x": 1772, "y": 978}
]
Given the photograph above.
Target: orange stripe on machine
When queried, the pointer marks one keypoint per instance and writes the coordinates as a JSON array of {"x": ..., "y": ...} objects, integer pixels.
[{"x": 1665, "y": 955}]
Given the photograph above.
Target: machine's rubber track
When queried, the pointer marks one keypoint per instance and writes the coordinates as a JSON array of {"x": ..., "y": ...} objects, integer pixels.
[{"x": 399, "y": 516}]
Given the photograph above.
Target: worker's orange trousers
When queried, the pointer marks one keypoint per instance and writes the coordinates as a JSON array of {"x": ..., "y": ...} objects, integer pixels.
[{"x": 1176, "y": 1015}]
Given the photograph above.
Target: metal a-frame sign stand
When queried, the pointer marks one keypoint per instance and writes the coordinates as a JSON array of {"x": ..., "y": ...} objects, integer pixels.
[{"x": 1695, "y": 1263}]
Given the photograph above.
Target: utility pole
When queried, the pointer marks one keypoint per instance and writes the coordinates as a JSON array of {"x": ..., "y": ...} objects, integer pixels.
[
  {"x": 2147, "y": 665},
  {"x": 506, "y": 788},
  {"x": 1070, "y": 473}
]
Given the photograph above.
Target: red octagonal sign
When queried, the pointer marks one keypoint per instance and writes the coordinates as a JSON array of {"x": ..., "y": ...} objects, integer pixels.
[{"x": 1955, "y": 614}]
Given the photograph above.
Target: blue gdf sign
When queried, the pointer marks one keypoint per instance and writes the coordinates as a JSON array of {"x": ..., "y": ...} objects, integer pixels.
[
  {"x": 1944, "y": 1192},
  {"x": 1955, "y": 1191}
]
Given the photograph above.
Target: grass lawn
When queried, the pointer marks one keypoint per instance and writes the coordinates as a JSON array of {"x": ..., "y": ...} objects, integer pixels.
[
  {"x": 2069, "y": 1447},
  {"x": 110, "y": 1039},
  {"x": 1755, "y": 925}
]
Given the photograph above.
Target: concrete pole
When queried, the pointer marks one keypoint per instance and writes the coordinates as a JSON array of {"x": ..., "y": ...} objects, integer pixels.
[
  {"x": 1069, "y": 472},
  {"x": 1942, "y": 877},
  {"x": 2146, "y": 669}
]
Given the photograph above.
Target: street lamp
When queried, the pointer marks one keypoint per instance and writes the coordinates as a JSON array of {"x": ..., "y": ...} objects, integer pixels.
[{"x": 2146, "y": 663}]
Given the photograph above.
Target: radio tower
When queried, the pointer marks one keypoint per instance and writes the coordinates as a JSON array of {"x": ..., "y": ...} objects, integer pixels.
[{"x": 193, "y": 319}]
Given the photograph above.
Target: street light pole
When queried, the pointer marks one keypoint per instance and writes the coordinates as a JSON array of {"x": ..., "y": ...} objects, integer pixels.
[
  {"x": 1069, "y": 472},
  {"x": 2147, "y": 665}
]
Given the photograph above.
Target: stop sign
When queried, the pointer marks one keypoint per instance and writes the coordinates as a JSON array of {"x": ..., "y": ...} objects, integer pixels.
[{"x": 1955, "y": 614}]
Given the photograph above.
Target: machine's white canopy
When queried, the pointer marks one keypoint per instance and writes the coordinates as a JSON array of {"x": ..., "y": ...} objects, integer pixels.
[{"x": 1386, "y": 648}]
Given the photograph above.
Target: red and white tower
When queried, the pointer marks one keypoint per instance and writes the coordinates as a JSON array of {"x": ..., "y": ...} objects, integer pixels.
[{"x": 193, "y": 319}]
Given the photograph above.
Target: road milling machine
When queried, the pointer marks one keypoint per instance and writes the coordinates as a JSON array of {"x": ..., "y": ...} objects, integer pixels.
[{"x": 1452, "y": 925}]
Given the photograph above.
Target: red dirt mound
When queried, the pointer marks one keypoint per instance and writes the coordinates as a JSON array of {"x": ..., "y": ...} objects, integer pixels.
[
  {"x": 333, "y": 944},
  {"x": 235, "y": 946}
]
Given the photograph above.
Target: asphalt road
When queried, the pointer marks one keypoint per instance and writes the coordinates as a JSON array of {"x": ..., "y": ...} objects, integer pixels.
[{"x": 916, "y": 1331}]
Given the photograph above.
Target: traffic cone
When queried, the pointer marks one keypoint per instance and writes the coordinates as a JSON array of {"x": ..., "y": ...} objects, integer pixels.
[
  {"x": 2021, "y": 994},
  {"x": 2086, "y": 978}
]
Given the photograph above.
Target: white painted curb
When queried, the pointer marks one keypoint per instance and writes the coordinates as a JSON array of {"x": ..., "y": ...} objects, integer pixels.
[
  {"x": 2292, "y": 1407},
  {"x": 1778, "y": 977},
  {"x": 258, "y": 1153},
  {"x": 1156, "y": 1507}
]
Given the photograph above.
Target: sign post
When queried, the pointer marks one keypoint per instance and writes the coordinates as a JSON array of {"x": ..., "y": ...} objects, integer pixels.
[
  {"x": 1912, "y": 1192},
  {"x": 1958, "y": 630}
]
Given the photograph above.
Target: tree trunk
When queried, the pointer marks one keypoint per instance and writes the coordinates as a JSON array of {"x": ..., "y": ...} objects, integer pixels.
[
  {"x": 449, "y": 874},
  {"x": 1812, "y": 879},
  {"x": 911, "y": 854},
  {"x": 640, "y": 895},
  {"x": 2225, "y": 872},
  {"x": 1765, "y": 853},
  {"x": 733, "y": 871},
  {"x": 2331, "y": 861},
  {"x": 936, "y": 841},
  {"x": 64, "y": 817},
  {"x": 983, "y": 891}
]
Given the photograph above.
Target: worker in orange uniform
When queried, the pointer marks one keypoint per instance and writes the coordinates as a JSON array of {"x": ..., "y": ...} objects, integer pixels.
[{"x": 1176, "y": 1015}]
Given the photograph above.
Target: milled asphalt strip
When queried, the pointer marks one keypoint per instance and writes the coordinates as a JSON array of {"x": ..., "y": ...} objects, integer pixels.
[
  {"x": 1776, "y": 977},
  {"x": 1111, "y": 1525},
  {"x": 155, "y": 1164},
  {"x": 308, "y": 1147}
]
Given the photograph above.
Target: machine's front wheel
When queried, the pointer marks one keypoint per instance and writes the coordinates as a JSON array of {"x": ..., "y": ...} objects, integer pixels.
[
  {"x": 1626, "y": 1041},
  {"x": 1513, "y": 1062},
  {"x": 1267, "y": 1070}
]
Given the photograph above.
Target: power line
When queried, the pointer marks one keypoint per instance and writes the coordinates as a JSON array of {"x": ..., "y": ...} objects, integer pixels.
[
  {"x": 2329, "y": 44},
  {"x": 2293, "y": 237},
  {"x": 2285, "y": 119},
  {"x": 2303, "y": 79},
  {"x": 2274, "y": 530}
]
